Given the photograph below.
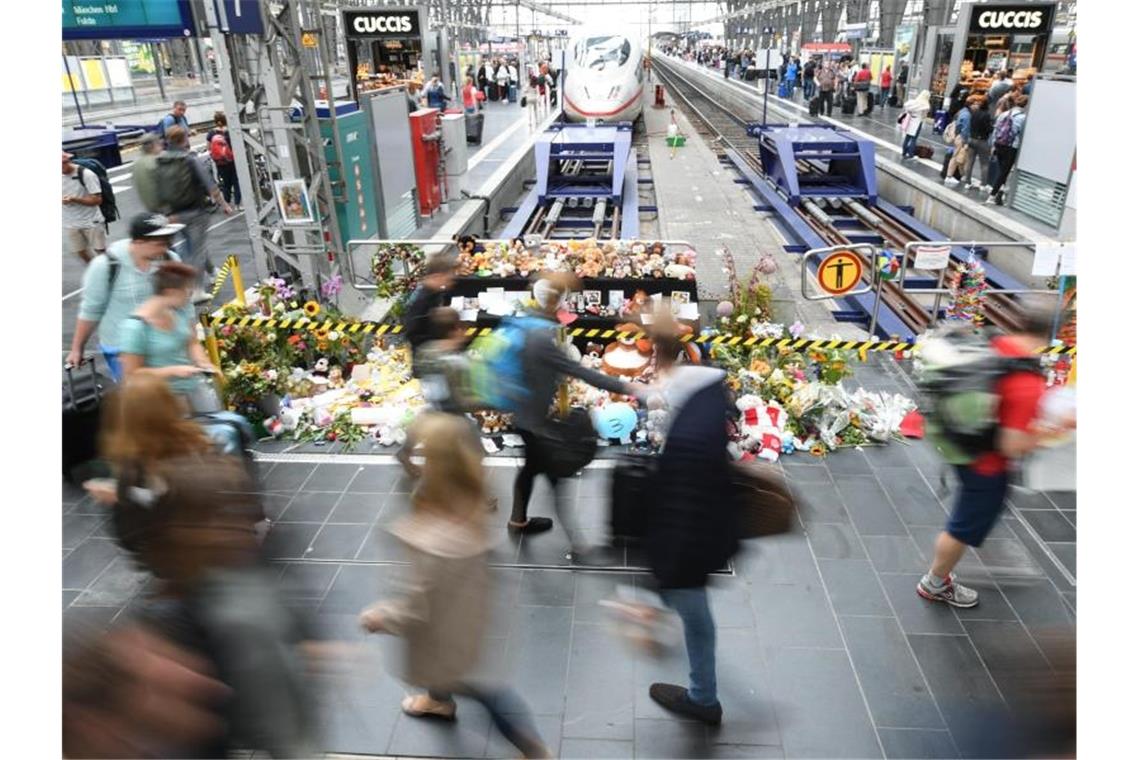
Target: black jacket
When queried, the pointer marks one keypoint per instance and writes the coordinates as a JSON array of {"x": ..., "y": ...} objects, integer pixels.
[
  {"x": 693, "y": 518},
  {"x": 417, "y": 322}
]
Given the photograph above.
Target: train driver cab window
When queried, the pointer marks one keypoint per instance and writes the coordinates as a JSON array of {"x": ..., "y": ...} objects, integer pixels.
[{"x": 600, "y": 53}]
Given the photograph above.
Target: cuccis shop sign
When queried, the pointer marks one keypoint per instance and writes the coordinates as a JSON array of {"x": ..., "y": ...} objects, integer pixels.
[{"x": 1011, "y": 19}]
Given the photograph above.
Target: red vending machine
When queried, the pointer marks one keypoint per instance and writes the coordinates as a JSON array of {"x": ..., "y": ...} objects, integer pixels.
[{"x": 426, "y": 152}]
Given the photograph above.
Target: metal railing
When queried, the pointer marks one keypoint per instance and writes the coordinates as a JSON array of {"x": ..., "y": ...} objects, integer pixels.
[{"x": 940, "y": 252}]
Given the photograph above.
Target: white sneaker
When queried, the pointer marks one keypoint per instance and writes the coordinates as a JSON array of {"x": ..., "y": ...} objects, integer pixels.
[
  {"x": 990, "y": 201},
  {"x": 950, "y": 182}
]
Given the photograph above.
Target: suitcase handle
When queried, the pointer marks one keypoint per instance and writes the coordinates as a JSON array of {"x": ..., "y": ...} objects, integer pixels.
[{"x": 67, "y": 368}]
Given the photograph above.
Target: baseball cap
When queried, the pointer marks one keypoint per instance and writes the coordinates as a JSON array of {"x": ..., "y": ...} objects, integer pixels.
[{"x": 152, "y": 225}]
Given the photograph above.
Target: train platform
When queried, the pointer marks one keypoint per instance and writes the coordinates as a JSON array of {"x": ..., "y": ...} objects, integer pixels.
[
  {"x": 882, "y": 130},
  {"x": 824, "y": 649},
  {"x": 698, "y": 201}
]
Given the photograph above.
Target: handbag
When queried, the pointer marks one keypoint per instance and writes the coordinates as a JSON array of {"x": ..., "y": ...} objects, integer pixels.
[
  {"x": 904, "y": 122},
  {"x": 765, "y": 504},
  {"x": 522, "y": 101},
  {"x": 569, "y": 443}
]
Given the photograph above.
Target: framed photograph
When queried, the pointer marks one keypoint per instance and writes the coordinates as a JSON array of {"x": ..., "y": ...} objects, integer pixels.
[
  {"x": 293, "y": 201},
  {"x": 592, "y": 297},
  {"x": 680, "y": 296}
]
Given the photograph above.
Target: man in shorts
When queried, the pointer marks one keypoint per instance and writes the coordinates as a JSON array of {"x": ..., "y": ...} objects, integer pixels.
[
  {"x": 83, "y": 229},
  {"x": 985, "y": 481}
]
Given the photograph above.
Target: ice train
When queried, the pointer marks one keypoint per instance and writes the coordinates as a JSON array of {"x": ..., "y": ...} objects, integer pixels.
[{"x": 605, "y": 78}]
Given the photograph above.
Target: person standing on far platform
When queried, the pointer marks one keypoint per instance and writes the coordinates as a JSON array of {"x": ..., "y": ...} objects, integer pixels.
[
  {"x": 985, "y": 480},
  {"x": 436, "y": 97},
  {"x": 916, "y": 110},
  {"x": 826, "y": 77},
  {"x": 83, "y": 227},
  {"x": 1007, "y": 141},
  {"x": 176, "y": 118},
  {"x": 884, "y": 87},
  {"x": 861, "y": 84}
]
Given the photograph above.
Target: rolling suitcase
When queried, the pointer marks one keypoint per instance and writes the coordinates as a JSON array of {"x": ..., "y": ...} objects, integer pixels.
[
  {"x": 513, "y": 94},
  {"x": 893, "y": 101},
  {"x": 848, "y": 107},
  {"x": 813, "y": 107},
  {"x": 630, "y": 497},
  {"x": 82, "y": 404},
  {"x": 474, "y": 124}
]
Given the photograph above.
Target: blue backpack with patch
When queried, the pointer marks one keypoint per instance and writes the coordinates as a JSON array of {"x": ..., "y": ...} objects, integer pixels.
[{"x": 497, "y": 369}]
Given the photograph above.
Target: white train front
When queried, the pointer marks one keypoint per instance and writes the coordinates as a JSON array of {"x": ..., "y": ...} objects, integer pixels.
[{"x": 604, "y": 77}]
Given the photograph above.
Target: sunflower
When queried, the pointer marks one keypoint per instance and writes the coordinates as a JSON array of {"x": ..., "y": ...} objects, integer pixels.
[
  {"x": 322, "y": 333},
  {"x": 817, "y": 449},
  {"x": 311, "y": 309}
]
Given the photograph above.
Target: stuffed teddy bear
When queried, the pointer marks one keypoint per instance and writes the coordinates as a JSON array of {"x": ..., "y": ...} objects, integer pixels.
[{"x": 680, "y": 272}]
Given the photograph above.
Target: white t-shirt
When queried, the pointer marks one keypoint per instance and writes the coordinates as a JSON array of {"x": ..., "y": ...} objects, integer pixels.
[{"x": 76, "y": 215}]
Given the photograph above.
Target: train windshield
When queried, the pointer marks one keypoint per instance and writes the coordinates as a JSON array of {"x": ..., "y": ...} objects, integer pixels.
[{"x": 600, "y": 53}]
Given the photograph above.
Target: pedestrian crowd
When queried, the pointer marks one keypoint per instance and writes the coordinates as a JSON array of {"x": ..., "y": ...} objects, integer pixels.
[{"x": 215, "y": 660}]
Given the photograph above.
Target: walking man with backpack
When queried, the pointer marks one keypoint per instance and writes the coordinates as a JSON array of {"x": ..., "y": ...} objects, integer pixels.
[
  {"x": 528, "y": 371},
  {"x": 983, "y": 455},
  {"x": 84, "y": 227},
  {"x": 222, "y": 154},
  {"x": 183, "y": 185},
  {"x": 117, "y": 284}
]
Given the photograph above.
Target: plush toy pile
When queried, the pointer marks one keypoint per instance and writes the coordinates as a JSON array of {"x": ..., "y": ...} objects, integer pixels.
[{"x": 585, "y": 258}]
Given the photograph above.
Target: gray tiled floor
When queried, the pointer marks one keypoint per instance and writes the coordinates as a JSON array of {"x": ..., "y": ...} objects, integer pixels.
[{"x": 824, "y": 649}]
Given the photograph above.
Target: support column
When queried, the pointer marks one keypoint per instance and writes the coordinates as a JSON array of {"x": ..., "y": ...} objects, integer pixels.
[
  {"x": 890, "y": 14},
  {"x": 808, "y": 21},
  {"x": 829, "y": 14}
]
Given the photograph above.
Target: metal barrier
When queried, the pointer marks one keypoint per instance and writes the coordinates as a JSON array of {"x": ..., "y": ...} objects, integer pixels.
[
  {"x": 435, "y": 246},
  {"x": 934, "y": 255}
]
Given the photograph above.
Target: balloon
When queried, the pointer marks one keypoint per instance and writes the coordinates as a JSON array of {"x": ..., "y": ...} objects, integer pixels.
[{"x": 615, "y": 420}]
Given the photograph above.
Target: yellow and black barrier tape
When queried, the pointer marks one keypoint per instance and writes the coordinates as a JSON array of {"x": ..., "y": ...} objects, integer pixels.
[
  {"x": 222, "y": 275},
  {"x": 380, "y": 328}
]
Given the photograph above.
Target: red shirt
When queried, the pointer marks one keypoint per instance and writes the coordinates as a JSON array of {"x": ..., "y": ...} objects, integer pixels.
[
  {"x": 470, "y": 96},
  {"x": 1020, "y": 393},
  {"x": 862, "y": 75},
  {"x": 885, "y": 78}
]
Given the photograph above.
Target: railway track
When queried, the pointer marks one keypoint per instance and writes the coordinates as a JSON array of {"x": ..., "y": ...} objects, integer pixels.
[{"x": 725, "y": 129}]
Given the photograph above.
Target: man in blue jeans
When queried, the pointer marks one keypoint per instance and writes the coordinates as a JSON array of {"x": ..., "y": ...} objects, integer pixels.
[{"x": 692, "y": 528}]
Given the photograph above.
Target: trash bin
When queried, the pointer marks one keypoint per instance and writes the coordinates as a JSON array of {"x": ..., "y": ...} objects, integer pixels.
[{"x": 474, "y": 124}]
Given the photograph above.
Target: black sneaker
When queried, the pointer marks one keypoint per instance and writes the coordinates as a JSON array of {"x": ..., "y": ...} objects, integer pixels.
[
  {"x": 676, "y": 699},
  {"x": 533, "y": 525}
]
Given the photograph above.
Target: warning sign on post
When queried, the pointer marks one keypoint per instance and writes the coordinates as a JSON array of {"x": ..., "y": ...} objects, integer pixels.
[
  {"x": 840, "y": 272},
  {"x": 931, "y": 257}
]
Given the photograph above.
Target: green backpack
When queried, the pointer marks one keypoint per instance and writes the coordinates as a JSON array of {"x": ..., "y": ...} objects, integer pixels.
[{"x": 958, "y": 374}]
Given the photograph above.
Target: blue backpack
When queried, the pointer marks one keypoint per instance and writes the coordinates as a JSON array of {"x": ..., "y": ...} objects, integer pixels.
[{"x": 497, "y": 370}]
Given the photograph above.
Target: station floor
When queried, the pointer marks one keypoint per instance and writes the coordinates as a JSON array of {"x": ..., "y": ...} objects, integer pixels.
[
  {"x": 824, "y": 649},
  {"x": 882, "y": 128}
]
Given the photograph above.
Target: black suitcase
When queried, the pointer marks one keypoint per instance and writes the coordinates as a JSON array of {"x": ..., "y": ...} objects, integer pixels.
[
  {"x": 630, "y": 497},
  {"x": 83, "y": 393},
  {"x": 848, "y": 106},
  {"x": 813, "y": 107},
  {"x": 474, "y": 124},
  {"x": 893, "y": 101}
]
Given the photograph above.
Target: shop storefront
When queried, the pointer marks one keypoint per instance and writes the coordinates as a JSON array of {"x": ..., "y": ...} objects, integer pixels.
[
  {"x": 388, "y": 46},
  {"x": 988, "y": 37}
]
